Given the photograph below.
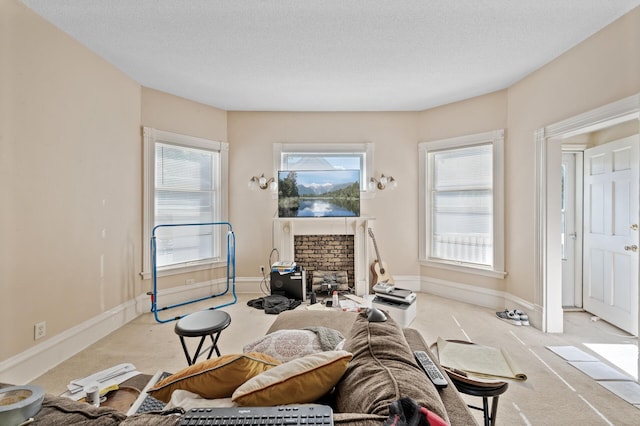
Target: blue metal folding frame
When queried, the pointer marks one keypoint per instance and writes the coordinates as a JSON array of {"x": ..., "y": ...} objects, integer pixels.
[{"x": 231, "y": 272}]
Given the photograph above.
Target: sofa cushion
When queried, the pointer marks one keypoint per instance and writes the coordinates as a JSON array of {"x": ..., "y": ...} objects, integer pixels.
[
  {"x": 382, "y": 371},
  {"x": 215, "y": 378},
  {"x": 299, "y": 381},
  {"x": 285, "y": 345}
]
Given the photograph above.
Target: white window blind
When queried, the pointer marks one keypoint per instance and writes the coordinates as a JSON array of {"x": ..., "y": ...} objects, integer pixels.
[
  {"x": 185, "y": 193},
  {"x": 462, "y": 205}
]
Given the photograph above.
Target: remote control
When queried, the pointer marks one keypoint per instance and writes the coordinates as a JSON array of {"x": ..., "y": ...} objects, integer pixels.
[{"x": 430, "y": 368}]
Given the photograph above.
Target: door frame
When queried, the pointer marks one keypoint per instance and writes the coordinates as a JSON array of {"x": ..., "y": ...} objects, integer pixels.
[
  {"x": 577, "y": 150},
  {"x": 548, "y": 147}
]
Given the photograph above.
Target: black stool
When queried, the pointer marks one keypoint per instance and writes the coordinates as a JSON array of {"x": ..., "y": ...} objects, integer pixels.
[
  {"x": 202, "y": 324},
  {"x": 485, "y": 390}
]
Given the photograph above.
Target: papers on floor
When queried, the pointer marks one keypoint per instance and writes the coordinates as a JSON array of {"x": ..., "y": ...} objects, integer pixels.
[
  {"x": 361, "y": 302},
  {"x": 478, "y": 360},
  {"x": 350, "y": 305},
  {"x": 318, "y": 307},
  {"x": 103, "y": 379}
]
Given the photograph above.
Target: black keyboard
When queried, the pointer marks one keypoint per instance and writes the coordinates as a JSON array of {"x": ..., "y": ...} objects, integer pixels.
[
  {"x": 150, "y": 404},
  {"x": 145, "y": 403},
  {"x": 281, "y": 415}
]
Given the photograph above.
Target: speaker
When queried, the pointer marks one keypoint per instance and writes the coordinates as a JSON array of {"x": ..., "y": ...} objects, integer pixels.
[{"x": 292, "y": 285}]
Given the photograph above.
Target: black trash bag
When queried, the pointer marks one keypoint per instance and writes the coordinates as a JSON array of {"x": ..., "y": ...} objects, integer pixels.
[{"x": 274, "y": 304}]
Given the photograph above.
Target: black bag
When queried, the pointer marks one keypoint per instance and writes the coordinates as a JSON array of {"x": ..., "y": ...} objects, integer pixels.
[
  {"x": 406, "y": 412},
  {"x": 274, "y": 304}
]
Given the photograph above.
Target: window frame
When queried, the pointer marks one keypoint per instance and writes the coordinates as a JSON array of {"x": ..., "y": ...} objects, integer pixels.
[
  {"x": 365, "y": 148},
  {"x": 151, "y": 137},
  {"x": 496, "y": 139}
]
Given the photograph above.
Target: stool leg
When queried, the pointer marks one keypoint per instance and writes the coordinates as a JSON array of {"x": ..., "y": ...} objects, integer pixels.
[
  {"x": 485, "y": 410},
  {"x": 214, "y": 344},
  {"x": 191, "y": 361},
  {"x": 186, "y": 351},
  {"x": 197, "y": 354},
  {"x": 494, "y": 410}
]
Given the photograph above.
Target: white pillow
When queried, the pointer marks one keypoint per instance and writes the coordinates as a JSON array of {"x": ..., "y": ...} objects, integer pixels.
[
  {"x": 188, "y": 400},
  {"x": 286, "y": 345},
  {"x": 299, "y": 381}
]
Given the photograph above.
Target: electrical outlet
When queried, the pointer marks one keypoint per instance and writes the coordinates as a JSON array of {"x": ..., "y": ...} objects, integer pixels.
[
  {"x": 262, "y": 269},
  {"x": 190, "y": 281},
  {"x": 39, "y": 330}
]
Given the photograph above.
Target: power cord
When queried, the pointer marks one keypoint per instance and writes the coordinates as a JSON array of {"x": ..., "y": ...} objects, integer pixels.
[
  {"x": 266, "y": 278},
  {"x": 264, "y": 284}
]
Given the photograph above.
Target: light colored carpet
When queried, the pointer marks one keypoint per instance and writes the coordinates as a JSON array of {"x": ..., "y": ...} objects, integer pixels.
[{"x": 555, "y": 393}]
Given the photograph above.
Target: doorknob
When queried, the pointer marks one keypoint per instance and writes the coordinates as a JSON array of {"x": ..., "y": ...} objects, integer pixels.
[
  {"x": 634, "y": 226},
  {"x": 632, "y": 248}
]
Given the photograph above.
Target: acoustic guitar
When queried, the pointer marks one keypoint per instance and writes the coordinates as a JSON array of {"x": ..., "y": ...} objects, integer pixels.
[{"x": 379, "y": 267}]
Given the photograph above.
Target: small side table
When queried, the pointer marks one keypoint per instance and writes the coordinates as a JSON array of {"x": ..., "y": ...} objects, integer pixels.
[
  {"x": 485, "y": 390},
  {"x": 202, "y": 324}
]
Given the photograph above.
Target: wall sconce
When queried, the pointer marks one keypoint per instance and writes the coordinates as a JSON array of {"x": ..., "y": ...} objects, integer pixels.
[
  {"x": 383, "y": 182},
  {"x": 262, "y": 183}
]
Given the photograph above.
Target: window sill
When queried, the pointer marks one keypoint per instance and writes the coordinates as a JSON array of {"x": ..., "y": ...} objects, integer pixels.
[
  {"x": 184, "y": 268},
  {"x": 461, "y": 267}
]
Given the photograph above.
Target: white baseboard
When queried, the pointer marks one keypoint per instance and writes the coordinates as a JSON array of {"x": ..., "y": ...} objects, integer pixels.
[
  {"x": 409, "y": 282},
  {"x": 493, "y": 299},
  {"x": 37, "y": 360}
]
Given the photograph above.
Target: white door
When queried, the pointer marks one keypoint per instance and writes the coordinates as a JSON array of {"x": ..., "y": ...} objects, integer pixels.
[{"x": 611, "y": 181}]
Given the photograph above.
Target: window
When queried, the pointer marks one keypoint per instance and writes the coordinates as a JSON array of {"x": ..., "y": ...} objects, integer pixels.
[
  {"x": 461, "y": 205},
  {"x": 325, "y": 156},
  {"x": 183, "y": 185}
]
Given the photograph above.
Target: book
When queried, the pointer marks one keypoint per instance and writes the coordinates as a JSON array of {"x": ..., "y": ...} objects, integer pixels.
[{"x": 478, "y": 360}]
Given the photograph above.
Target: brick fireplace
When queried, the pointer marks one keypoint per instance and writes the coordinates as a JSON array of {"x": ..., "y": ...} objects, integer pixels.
[
  {"x": 325, "y": 253},
  {"x": 316, "y": 243}
]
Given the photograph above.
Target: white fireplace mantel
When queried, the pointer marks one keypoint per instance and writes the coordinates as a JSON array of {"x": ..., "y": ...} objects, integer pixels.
[{"x": 285, "y": 229}]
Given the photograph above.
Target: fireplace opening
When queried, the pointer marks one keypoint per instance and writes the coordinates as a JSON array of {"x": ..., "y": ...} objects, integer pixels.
[{"x": 325, "y": 253}]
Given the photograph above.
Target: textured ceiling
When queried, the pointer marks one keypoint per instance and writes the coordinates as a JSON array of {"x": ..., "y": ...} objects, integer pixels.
[{"x": 329, "y": 55}]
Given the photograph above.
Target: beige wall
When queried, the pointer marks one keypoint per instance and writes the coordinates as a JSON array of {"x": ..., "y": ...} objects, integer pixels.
[
  {"x": 602, "y": 69},
  {"x": 175, "y": 114},
  {"x": 70, "y": 181},
  {"x": 613, "y": 133},
  {"x": 251, "y": 136}
]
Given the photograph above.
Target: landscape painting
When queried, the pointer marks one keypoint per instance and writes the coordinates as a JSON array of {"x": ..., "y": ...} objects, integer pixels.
[{"x": 319, "y": 193}]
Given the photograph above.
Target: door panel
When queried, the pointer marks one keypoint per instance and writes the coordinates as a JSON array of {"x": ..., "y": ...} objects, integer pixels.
[
  {"x": 611, "y": 191},
  {"x": 621, "y": 294},
  {"x": 595, "y": 290}
]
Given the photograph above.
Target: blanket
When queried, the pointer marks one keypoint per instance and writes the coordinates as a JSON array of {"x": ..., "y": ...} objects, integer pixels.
[
  {"x": 327, "y": 337},
  {"x": 63, "y": 411},
  {"x": 274, "y": 304}
]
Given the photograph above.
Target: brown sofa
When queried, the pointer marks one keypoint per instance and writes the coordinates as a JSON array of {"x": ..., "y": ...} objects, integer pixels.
[{"x": 381, "y": 371}]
